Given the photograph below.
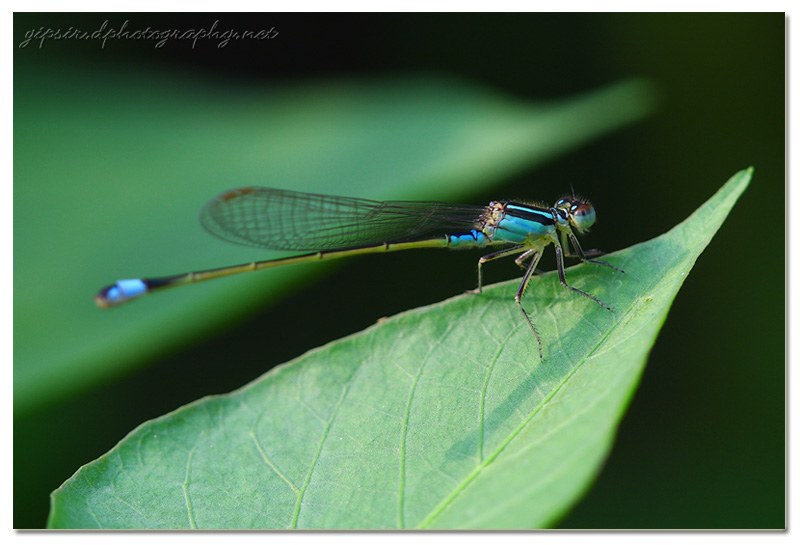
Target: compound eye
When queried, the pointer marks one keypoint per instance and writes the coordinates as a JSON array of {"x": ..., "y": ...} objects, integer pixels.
[{"x": 582, "y": 216}]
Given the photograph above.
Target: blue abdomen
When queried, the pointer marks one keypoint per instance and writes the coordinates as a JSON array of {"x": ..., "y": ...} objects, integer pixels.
[{"x": 470, "y": 239}]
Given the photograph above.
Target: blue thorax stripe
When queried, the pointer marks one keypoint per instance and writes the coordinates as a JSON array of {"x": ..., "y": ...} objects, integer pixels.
[{"x": 530, "y": 213}]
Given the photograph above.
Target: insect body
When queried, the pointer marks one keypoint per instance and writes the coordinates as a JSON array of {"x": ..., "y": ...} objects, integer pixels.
[{"x": 331, "y": 227}]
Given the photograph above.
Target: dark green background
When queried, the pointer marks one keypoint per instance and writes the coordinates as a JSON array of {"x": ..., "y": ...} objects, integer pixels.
[{"x": 703, "y": 444}]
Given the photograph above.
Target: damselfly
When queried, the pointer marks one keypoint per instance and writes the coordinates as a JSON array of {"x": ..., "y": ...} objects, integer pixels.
[{"x": 341, "y": 226}]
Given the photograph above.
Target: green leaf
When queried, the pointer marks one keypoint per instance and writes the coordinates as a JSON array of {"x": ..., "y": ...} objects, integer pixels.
[
  {"x": 441, "y": 417},
  {"x": 109, "y": 185}
]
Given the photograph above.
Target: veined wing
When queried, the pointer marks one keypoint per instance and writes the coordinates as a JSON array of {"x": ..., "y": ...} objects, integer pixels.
[{"x": 288, "y": 220}]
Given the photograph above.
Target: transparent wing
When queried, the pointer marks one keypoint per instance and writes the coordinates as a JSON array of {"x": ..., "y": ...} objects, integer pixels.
[{"x": 289, "y": 220}]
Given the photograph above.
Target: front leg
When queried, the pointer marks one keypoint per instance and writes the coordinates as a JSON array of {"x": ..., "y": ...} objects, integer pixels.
[
  {"x": 582, "y": 255},
  {"x": 563, "y": 278}
]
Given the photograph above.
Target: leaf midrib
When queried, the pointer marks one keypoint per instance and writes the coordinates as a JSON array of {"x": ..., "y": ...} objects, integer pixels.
[{"x": 436, "y": 511}]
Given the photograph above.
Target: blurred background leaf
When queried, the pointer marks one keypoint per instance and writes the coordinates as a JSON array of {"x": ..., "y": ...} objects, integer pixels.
[
  {"x": 692, "y": 452},
  {"x": 119, "y": 190}
]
